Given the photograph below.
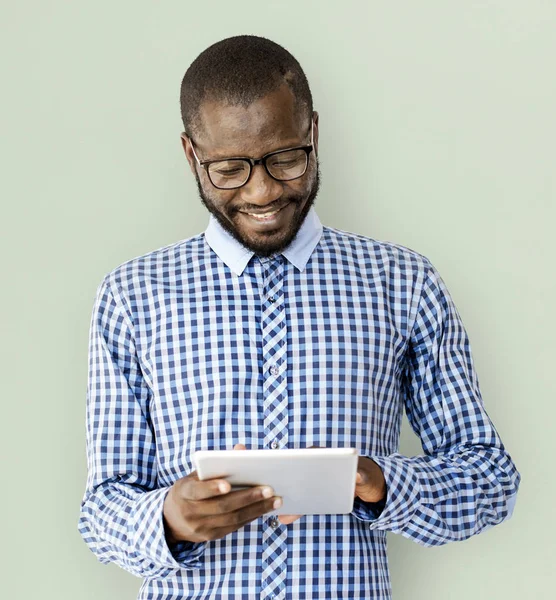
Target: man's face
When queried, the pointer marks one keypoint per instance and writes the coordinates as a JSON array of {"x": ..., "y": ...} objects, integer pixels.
[{"x": 268, "y": 124}]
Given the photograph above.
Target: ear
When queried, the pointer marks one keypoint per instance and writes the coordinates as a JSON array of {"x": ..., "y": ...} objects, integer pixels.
[
  {"x": 188, "y": 150},
  {"x": 316, "y": 132}
]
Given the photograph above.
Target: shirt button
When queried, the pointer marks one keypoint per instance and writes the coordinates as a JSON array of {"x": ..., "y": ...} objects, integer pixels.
[
  {"x": 272, "y": 299},
  {"x": 275, "y": 445},
  {"x": 274, "y": 370},
  {"x": 274, "y": 523}
]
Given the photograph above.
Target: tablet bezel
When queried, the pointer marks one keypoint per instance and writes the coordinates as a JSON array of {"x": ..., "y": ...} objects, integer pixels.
[{"x": 326, "y": 475}]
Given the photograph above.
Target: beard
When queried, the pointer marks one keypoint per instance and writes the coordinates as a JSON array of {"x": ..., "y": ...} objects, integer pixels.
[{"x": 264, "y": 245}]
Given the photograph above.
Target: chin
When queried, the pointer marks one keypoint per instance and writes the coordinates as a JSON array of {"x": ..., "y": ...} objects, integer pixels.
[
  {"x": 272, "y": 242},
  {"x": 267, "y": 245}
]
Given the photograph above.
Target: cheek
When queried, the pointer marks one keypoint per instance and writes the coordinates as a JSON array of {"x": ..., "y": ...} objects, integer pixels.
[
  {"x": 222, "y": 200},
  {"x": 228, "y": 201},
  {"x": 297, "y": 189},
  {"x": 302, "y": 187}
]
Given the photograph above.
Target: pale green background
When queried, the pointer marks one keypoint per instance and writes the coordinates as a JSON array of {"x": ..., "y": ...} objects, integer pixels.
[{"x": 437, "y": 132}]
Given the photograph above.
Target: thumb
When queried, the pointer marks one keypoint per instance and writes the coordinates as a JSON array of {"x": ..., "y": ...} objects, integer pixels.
[
  {"x": 240, "y": 447},
  {"x": 362, "y": 479},
  {"x": 359, "y": 481}
]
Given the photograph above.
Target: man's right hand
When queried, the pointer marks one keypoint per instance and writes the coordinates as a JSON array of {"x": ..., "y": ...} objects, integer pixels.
[{"x": 199, "y": 511}]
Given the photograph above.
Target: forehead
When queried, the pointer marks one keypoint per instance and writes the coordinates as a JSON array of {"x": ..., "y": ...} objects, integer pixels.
[{"x": 267, "y": 124}]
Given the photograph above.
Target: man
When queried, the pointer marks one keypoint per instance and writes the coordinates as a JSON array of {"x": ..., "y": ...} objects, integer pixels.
[{"x": 272, "y": 331}]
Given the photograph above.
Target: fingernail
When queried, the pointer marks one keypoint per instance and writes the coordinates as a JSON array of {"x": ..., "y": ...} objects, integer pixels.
[
  {"x": 277, "y": 503},
  {"x": 267, "y": 492},
  {"x": 223, "y": 487}
]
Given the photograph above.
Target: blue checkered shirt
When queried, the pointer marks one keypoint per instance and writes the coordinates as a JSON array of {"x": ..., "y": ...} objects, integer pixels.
[{"x": 202, "y": 345}]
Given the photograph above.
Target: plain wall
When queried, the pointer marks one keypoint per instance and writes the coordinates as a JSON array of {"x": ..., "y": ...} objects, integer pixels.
[{"x": 437, "y": 131}]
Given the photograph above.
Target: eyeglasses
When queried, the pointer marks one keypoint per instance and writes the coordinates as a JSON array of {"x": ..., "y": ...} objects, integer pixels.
[{"x": 282, "y": 165}]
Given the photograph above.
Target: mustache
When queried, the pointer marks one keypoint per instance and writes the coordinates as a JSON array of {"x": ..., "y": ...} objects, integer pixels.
[{"x": 276, "y": 205}]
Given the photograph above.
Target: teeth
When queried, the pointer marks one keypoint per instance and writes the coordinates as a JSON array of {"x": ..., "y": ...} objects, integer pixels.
[{"x": 263, "y": 216}]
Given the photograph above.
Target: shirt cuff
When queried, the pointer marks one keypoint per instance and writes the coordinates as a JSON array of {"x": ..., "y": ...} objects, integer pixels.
[
  {"x": 402, "y": 500},
  {"x": 148, "y": 537}
]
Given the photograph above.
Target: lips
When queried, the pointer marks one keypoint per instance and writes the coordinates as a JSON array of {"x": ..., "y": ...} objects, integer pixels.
[
  {"x": 263, "y": 214},
  {"x": 265, "y": 221}
]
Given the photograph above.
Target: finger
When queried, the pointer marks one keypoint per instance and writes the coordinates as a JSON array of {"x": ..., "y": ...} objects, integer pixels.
[
  {"x": 192, "y": 488},
  {"x": 232, "y": 521},
  {"x": 235, "y": 521},
  {"x": 240, "y": 447},
  {"x": 233, "y": 501},
  {"x": 288, "y": 519}
]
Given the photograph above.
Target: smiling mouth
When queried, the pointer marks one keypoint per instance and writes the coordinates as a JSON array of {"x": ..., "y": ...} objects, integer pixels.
[{"x": 267, "y": 216}]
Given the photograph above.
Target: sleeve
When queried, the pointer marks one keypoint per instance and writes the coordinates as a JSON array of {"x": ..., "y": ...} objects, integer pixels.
[
  {"x": 121, "y": 513},
  {"x": 465, "y": 482}
]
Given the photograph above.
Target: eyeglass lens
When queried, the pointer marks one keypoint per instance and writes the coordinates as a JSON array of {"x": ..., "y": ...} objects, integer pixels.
[{"x": 282, "y": 165}]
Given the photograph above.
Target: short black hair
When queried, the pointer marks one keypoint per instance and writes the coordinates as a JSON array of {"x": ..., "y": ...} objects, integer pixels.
[{"x": 239, "y": 70}]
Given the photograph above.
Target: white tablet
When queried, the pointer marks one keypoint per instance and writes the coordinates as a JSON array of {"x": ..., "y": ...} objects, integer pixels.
[{"x": 312, "y": 481}]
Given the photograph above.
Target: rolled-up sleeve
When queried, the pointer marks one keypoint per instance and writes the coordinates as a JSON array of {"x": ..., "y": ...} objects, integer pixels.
[
  {"x": 121, "y": 517},
  {"x": 466, "y": 481}
]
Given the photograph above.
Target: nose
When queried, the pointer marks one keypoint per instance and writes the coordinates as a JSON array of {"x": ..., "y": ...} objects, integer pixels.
[{"x": 261, "y": 188}]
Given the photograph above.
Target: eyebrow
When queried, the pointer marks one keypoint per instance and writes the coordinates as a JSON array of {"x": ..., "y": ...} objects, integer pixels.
[{"x": 295, "y": 144}]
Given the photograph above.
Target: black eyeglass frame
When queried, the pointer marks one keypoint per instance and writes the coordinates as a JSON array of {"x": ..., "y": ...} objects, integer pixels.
[{"x": 205, "y": 164}]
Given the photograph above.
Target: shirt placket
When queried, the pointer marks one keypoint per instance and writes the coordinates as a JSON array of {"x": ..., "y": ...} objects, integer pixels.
[{"x": 275, "y": 406}]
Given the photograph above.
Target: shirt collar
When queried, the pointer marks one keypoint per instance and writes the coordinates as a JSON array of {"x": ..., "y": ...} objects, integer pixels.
[{"x": 236, "y": 256}]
